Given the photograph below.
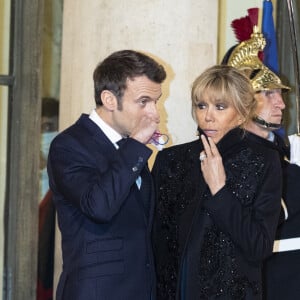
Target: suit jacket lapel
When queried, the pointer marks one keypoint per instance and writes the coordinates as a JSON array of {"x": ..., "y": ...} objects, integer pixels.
[
  {"x": 145, "y": 196},
  {"x": 95, "y": 134}
]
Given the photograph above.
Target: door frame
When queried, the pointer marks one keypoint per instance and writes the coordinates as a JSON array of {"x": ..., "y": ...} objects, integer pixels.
[{"x": 22, "y": 188}]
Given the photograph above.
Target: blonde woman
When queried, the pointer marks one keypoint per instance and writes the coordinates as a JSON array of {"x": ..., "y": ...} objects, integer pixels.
[{"x": 218, "y": 197}]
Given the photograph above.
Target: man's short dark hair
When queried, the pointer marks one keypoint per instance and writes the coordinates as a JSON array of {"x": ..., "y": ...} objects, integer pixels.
[{"x": 112, "y": 73}]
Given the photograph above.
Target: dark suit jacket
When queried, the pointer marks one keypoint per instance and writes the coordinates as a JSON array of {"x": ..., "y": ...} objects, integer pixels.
[
  {"x": 102, "y": 217},
  {"x": 281, "y": 270}
]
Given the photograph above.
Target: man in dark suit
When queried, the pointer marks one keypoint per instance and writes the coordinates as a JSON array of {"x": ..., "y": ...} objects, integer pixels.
[
  {"x": 281, "y": 269},
  {"x": 102, "y": 188}
]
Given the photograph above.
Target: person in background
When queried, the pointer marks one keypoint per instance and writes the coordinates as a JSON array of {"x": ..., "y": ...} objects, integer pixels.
[
  {"x": 282, "y": 268},
  {"x": 49, "y": 129},
  {"x": 218, "y": 202},
  {"x": 102, "y": 187}
]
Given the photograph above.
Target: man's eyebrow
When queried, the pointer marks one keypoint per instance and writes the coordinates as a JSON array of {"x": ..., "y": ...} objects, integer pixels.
[{"x": 148, "y": 97}]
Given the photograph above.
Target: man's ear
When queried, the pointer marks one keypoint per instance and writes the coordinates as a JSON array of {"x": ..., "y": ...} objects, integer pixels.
[{"x": 109, "y": 100}]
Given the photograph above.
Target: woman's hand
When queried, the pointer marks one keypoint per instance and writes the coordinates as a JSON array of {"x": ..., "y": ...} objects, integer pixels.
[{"x": 212, "y": 165}]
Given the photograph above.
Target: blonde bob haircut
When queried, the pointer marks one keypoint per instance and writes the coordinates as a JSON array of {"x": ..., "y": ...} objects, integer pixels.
[{"x": 227, "y": 84}]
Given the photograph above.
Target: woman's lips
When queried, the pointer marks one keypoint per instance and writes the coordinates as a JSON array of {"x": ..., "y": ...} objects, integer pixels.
[{"x": 210, "y": 132}]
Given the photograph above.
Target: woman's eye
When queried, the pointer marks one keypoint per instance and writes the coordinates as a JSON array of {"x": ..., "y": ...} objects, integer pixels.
[
  {"x": 220, "y": 106},
  {"x": 201, "y": 105}
]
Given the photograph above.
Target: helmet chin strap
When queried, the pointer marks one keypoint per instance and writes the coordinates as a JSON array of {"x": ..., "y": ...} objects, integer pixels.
[{"x": 265, "y": 124}]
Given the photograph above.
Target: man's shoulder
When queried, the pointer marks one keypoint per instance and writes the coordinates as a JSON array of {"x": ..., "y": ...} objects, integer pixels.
[
  {"x": 261, "y": 145},
  {"x": 81, "y": 126},
  {"x": 79, "y": 133}
]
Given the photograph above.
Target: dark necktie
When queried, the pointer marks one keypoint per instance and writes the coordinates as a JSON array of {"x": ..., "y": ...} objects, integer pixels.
[
  {"x": 121, "y": 142},
  {"x": 146, "y": 189}
]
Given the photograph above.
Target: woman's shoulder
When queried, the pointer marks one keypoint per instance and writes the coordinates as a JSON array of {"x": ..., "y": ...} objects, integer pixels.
[
  {"x": 261, "y": 145},
  {"x": 254, "y": 154},
  {"x": 251, "y": 153}
]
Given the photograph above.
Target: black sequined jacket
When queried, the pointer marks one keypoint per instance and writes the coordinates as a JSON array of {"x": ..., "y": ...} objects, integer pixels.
[{"x": 212, "y": 247}]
